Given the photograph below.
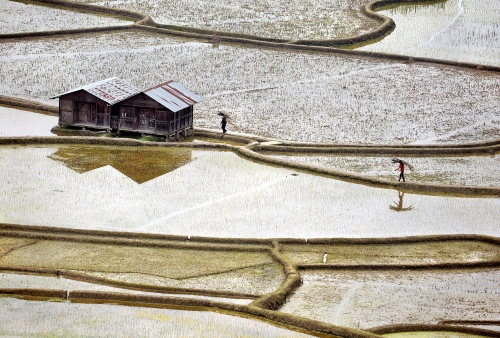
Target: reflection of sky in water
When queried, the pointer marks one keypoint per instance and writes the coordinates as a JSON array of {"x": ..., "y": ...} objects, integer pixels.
[
  {"x": 220, "y": 194},
  {"x": 457, "y": 30},
  {"x": 361, "y": 298},
  {"x": 55, "y": 319},
  {"x": 15, "y": 122}
]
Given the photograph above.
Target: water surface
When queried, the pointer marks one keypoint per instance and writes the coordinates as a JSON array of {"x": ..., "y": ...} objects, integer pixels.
[
  {"x": 15, "y": 122},
  {"x": 457, "y": 30},
  {"x": 65, "y": 319},
  {"x": 220, "y": 194}
]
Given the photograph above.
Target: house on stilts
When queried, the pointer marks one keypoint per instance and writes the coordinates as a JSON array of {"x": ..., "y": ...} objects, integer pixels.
[{"x": 114, "y": 104}]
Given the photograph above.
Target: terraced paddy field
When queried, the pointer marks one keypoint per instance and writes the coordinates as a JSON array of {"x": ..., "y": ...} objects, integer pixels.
[
  {"x": 333, "y": 98},
  {"x": 20, "y": 17},
  {"x": 457, "y": 30},
  {"x": 320, "y": 20},
  {"x": 462, "y": 170},
  {"x": 291, "y": 225},
  {"x": 372, "y": 299},
  {"x": 252, "y": 201}
]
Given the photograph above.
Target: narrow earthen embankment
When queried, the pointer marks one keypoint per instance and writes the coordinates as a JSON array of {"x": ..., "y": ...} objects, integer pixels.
[
  {"x": 96, "y": 297},
  {"x": 275, "y": 300},
  {"x": 271, "y": 301},
  {"x": 145, "y": 23},
  {"x": 423, "y": 188},
  {"x": 14, "y": 102},
  {"x": 248, "y": 152},
  {"x": 438, "y": 328},
  {"x": 262, "y": 308}
]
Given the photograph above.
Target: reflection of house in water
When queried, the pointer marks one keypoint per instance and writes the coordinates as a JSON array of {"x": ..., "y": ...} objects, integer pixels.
[
  {"x": 141, "y": 164},
  {"x": 399, "y": 205},
  {"x": 115, "y": 104}
]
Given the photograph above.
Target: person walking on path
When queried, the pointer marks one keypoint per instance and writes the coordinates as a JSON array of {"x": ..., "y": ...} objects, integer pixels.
[
  {"x": 223, "y": 122},
  {"x": 401, "y": 169}
]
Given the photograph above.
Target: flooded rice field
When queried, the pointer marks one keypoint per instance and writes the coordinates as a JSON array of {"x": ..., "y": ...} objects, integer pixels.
[
  {"x": 465, "y": 170},
  {"x": 220, "y": 194},
  {"x": 431, "y": 334},
  {"x": 456, "y": 30},
  {"x": 56, "y": 319},
  {"x": 367, "y": 299},
  {"x": 246, "y": 273},
  {"x": 11, "y": 280},
  {"x": 383, "y": 254},
  {"x": 318, "y": 20},
  {"x": 21, "y": 17},
  {"x": 286, "y": 95},
  {"x": 15, "y": 122},
  {"x": 333, "y": 98}
]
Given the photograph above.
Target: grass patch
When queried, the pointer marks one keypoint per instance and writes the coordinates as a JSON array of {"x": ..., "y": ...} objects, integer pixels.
[
  {"x": 8, "y": 244},
  {"x": 408, "y": 253},
  {"x": 164, "y": 262}
]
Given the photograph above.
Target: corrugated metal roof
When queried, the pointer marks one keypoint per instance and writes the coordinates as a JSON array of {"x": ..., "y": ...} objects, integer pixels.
[
  {"x": 112, "y": 90},
  {"x": 173, "y": 96}
]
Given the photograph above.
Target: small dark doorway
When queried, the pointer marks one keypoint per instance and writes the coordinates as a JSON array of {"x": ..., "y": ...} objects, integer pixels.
[
  {"x": 146, "y": 119},
  {"x": 85, "y": 112}
]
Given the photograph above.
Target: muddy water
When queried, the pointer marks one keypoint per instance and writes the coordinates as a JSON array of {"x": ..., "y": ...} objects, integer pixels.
[
  {"x": 15, "y": 122},
  {"x": 64, "y": 319},
  {"x": 219, "y": 194},
  {"x": 368, "y": 299},
  {"x": 457, "y": 30},
  {"x": 451, "y": 170},
  {"x": 10, "y": 280},
  {"x": 431, "y": 334}
]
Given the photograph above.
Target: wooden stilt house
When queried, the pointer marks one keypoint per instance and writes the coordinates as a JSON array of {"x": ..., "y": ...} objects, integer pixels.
[
  {"x": 93, "y": 105},
  {"x": 166, "y": 109},
  {"x": 115, "y": 104}
]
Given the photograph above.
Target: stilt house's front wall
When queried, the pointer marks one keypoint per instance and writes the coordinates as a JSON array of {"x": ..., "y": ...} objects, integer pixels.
[
  {"x": 166, "y": 109},
  {"x": 141, "y": 113},
  {"x": 83, "y": 109}
]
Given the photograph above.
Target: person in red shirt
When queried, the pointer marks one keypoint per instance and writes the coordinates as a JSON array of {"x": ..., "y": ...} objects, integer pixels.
[{"x": 401, "y": 169}]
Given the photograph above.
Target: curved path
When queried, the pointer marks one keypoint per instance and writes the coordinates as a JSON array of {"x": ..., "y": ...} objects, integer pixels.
[
  {"x": 263, "y": 307},
  {"x": 251, "y": 147},
  {"x": 144, "y": 22}
]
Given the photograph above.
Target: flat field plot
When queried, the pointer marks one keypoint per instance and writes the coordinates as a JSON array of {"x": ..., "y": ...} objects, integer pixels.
[
  {"x": 66, "y": 319},
  {"x": 283, "y": 19},
  {"x": 219, "y": 194},
  {"x": 366, "y": 299},
  {"x": 279, "y": 94},
  {"x": 470, "y": 170},
  {"x": 20, "y": 17},
  {"x": 15, "y": 122},
  {"x": 457, "y": 30}
]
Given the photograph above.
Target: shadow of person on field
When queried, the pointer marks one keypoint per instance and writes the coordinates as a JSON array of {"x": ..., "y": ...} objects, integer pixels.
[{"x": 399, "y": 205}]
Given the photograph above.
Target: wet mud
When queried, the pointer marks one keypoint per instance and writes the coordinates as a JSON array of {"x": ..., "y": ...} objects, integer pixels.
[{"x": 369, "y": 284}]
